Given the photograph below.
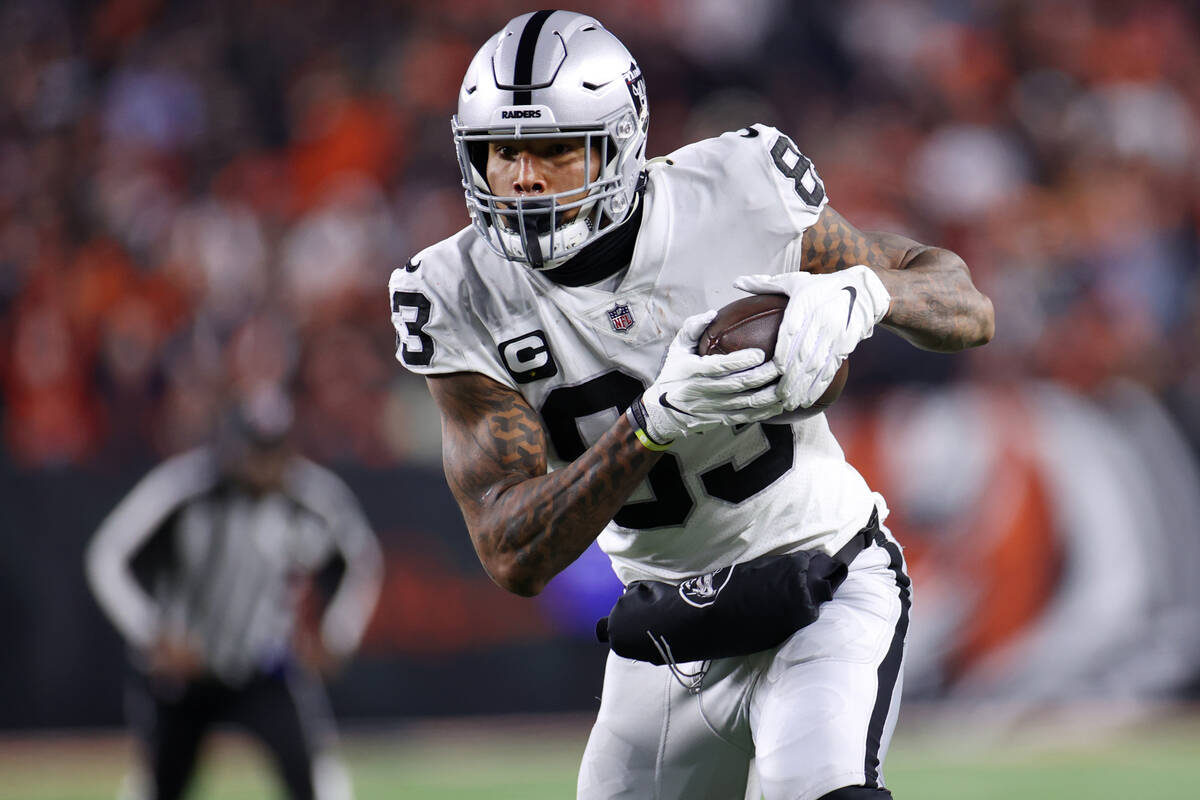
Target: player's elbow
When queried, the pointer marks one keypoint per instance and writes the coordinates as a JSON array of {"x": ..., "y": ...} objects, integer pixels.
[
  {"x": 525, "y": 585},
  {"x": 514, "y": 556},
  {"x": 973, "y": 324},
  {"x": 986, "y": 317},
  {"x": 512, "y": 574}
]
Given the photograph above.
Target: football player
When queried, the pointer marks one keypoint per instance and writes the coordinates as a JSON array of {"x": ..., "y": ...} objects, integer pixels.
[{"x": 558, "y": 335}]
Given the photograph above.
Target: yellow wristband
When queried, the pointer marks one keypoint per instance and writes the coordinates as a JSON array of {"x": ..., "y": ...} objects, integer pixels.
[
  {"x": 636, "y": 414},
  {"x": 649, "y": 443}
]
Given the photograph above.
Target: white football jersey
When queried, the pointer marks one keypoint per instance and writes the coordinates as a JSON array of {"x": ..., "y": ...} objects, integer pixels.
[{"x": 714, "y": 210}]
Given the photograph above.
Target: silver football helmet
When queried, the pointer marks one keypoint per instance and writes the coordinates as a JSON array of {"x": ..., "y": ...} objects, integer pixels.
[{"x": 552, "y": 74}]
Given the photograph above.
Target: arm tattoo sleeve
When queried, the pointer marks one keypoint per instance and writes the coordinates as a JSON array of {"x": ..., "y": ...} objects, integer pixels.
[
  {"x": 528, "y": 525},
  {"x": 832, "y": 244},
  {"x": 935, "y": 305}
]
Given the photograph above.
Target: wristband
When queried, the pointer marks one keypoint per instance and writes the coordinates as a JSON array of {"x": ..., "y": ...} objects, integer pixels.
[
  {"x": 637, "y": 418},
  {"x": 649, "y": 443}
]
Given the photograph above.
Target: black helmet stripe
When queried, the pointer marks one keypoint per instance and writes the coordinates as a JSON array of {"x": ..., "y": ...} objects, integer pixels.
[{"x": 523, "y": 69}]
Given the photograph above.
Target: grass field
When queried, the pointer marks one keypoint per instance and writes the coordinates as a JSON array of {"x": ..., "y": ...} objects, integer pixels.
[{"x": 1083, "y": 755}]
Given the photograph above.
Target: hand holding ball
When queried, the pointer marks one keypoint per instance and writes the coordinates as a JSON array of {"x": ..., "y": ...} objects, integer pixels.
[{"x": 754, "y": 322}]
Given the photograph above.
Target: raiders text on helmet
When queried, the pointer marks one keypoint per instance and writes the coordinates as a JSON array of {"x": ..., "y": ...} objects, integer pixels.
[
  {"x": 521, "y": 113},
  {"x": 550, "y": 74}
]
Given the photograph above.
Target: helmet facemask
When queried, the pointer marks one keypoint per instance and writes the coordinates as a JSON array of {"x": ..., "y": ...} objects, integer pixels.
[{"x": 543, "y": 230}]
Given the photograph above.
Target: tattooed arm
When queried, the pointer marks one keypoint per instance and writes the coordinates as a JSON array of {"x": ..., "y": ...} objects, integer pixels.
[
  {"x": 528, "y": 525},
  {"x": 934, "y": 303}
]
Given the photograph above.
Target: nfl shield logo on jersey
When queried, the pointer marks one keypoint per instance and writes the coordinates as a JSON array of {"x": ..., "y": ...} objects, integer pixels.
[{"x": 620, "y": 317}]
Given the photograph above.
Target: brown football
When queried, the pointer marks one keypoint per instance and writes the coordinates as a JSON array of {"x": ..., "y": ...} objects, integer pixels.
[{"x": 754, "y": 322}]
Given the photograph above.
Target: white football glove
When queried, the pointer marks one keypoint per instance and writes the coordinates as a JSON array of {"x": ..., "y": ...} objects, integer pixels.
[
  {"x": 694, "y": 393},
  {"x": 825, "y": 318}
]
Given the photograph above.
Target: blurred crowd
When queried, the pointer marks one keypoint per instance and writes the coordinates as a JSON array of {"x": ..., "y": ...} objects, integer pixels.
[{"x": 197, "y": 197}]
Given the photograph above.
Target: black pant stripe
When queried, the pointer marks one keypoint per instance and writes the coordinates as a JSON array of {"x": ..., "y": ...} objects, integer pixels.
[
  {"x": 523, "y": 69},
  {"x": 889, "y": 668}
]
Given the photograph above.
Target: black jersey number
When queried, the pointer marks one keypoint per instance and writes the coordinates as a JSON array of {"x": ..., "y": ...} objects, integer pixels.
[
  {"x": 672, "y": 502},
  {"x": 733, "y": 484},
  {"x": 797, "y": 166},
  {"x": 563, "y": 409},
  {"x": 414, "y": 328}
]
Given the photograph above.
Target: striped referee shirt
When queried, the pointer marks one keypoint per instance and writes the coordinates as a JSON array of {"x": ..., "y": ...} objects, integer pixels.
[{"x": 193, "y": 555}]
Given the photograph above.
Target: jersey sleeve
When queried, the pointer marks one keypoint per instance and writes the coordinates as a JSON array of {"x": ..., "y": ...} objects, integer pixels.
[
  {"x": 766, "y": 175},
  {"x": 437, "y": 329}
]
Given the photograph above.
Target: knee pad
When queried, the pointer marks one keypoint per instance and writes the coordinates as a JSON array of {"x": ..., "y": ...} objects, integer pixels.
[{"x": 857, "y": 793}]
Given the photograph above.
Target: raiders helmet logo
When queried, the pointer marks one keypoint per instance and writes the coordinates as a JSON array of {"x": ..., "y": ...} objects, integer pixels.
[
  {"x": 702, "y": 590},
  {"x": 637, "y": 91}
]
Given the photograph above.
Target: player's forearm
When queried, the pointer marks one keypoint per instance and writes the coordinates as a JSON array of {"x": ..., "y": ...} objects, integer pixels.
[
  {"x": 534, "y": 528},
  {"x": 934, "y": 303},
  {"x": 527, "y": 524}
]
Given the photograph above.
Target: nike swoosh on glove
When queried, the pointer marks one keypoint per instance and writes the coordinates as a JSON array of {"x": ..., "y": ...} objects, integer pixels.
[
  {"x": 825, "y": 319},
  {"x": 695, "y": 393}
]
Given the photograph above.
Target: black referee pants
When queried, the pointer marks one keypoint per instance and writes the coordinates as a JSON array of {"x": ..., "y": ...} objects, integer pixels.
[{"x": 286, "y": 712}]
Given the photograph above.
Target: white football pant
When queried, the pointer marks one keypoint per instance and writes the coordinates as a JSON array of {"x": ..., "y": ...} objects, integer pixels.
[{"x": 815, "y": 714}]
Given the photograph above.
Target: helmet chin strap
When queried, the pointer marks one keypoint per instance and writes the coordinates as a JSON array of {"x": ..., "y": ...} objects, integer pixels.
[
  {"x": 531, "y": 234},
  {"x": 533, "y": 251}
]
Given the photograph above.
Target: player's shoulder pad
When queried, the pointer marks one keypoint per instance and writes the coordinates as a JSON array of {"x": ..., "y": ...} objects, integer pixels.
[
  {"x": 785, "y": 165},
  {"x": 435, "y": 298},
  {"x": 760, "y": 161},
  {"x": 439, "y": 274},
  {"x": 437, "y": 266}
]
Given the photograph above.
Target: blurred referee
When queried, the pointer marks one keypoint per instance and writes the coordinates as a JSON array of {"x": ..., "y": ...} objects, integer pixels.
[{"x": 206, "y": 568}]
